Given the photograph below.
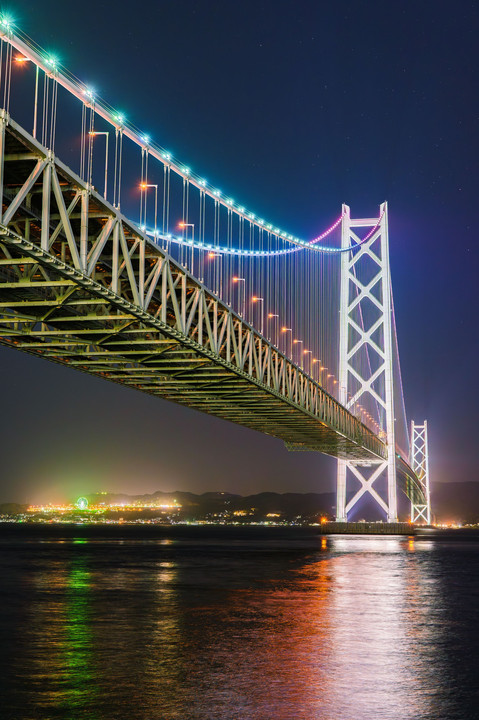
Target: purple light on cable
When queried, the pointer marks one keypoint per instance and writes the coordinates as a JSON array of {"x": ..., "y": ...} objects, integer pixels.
[{"x": 328, "y": 231}]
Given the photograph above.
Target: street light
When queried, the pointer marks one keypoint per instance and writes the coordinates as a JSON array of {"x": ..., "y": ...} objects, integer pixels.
[
  {"x": 241, "y": 280},
  {"x": 297, "y": 342},
  {"x": 306, "y": 352},
  {"x": 217, "y": 281},
  {"x": 320, "y": 368},
  {"x": 144, "y": 187},
  {"x": 335, "y": 382},
  {"x": 192, "y": 226},
  {"x": 21, "y": 60},
  {"x": 261, "y": 300},
  {"x": 273, "y": 316},
  {"x": 287, "y": 330},
  {"x": 106, "y": 134},
  {"x": 328, "y": 376}
]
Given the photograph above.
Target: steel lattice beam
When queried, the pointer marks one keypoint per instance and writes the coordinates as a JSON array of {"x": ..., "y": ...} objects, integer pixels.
[{"x": 81, "y": 285}]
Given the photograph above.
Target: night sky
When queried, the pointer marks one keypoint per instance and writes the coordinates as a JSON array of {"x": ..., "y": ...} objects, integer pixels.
[{"x": 293, "y": 108}]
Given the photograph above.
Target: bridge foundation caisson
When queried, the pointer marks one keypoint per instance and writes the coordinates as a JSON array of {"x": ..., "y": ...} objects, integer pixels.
[{"x": 366, "y": 285}]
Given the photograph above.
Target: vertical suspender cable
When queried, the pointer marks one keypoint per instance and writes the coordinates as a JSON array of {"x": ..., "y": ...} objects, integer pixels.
[
  {"x": 120, "y": 167},
  {"x": 115, "y": 177},
  {"x": 142, "y": 183}
]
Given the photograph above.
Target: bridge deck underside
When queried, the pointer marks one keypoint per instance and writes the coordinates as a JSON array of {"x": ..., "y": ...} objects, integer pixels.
[
  {"x": 80, "y": 285},
  {"x": 61, "y": 321}
]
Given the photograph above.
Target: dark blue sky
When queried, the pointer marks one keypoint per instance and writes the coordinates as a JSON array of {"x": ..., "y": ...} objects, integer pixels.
[{"x": 294, "y": 108}]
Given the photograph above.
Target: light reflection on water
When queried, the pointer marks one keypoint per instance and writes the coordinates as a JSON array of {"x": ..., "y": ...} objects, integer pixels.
[{"x": 236, "y": 627}]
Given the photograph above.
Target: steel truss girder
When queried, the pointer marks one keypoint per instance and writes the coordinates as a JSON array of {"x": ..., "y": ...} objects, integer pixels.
[{"x": 92, "y": 282}]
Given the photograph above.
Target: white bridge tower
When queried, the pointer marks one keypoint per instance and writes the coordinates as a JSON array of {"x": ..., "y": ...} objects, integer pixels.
[
  {"x": 365, "y": 332},
  {"x": 420, "y": 464}
]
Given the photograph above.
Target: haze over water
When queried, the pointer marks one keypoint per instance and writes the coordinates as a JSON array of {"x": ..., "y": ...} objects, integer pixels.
[{"x": 208, "y": 623}]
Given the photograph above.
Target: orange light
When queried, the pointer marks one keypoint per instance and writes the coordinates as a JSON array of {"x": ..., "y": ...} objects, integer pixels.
[
  {"x": 315, "y": 360},
  {"x": 254, "y": 298},
  {"x": 305, "y": 352},
  {"x": 181, "y": 224},
  {"x": 211, "y": 255},
  {"x": 270, "y": 315},
  {"x": 296, "y": 341},
  {"x": 235, "y": 279},
  {"x": 143, "y": 186},
  {"x": 21, "y": 59}
]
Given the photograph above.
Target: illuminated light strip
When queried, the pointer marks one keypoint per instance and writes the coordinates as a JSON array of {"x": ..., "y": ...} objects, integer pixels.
[
  {"x": 328, "y": 231},
  {"x": 346, "y": 249},
  {"x": 50, "y": 65},
  {"x": 208, "y": 247}
]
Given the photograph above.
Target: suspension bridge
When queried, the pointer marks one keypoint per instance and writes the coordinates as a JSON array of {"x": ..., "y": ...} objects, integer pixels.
[{"x": 122, "y": 262}]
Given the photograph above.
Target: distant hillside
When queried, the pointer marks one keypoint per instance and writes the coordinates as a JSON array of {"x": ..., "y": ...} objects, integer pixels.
[
  {"x": 458, "y": 502},
  {"x": 12, "y": 508},
  {"x": 287, "y": 506},
  {"x": 451, "y": 502}
]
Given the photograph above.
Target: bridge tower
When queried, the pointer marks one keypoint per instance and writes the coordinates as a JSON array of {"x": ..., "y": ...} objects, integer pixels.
[
  {"x": 366, "y": 285},
  {"x": 419, "y": 461}
]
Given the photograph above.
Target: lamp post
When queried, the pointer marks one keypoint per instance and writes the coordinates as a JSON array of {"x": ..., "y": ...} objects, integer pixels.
[
  {"x": 320, "y": 368},
  {"x": 192, "y": 226},
  {"x": 308, "y": 352},
  {"x": 217, "y": 277},
  {"x": 106, "y": 134},
  {"x": 274, "y": 316},
  {"x": 242, "y": 305},
  {"x": 21, "y": 60},
  {"x": 256, "y": 299},
  {"x": 298, "y": 342},
  {"x": 329, "y": 375},
  {"x": 145, "y": 186},
  {"x": 288, "y": 330}
]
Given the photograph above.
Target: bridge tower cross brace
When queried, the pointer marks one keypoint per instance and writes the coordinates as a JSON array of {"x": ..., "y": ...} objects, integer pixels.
[
  {"x": 376, "y": 381},
  {"x": 419, "y": 461}
]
